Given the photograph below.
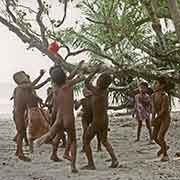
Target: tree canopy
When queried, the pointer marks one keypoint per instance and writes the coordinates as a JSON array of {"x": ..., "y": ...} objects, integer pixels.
[{"x": 133, "y": 39}]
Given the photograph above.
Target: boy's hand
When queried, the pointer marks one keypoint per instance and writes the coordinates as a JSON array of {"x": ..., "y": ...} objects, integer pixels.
[{"x": 42, "y": 71}]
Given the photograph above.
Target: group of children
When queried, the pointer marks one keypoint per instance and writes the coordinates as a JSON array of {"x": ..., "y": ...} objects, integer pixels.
[
  {"x": 158, "y": 105},
  {"x": 61, "y": 105}
]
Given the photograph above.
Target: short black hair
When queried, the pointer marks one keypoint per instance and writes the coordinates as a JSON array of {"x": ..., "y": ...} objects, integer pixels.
[
  {"x": 58, "y": 76},
  {"x": 145, "y": 84}
]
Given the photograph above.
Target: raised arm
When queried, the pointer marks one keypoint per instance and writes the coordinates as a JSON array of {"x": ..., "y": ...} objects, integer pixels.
[
  {"x": 76, "y": 80},
  {"x": 38, "y": 78},
  {"x": 42, "y": 84},
  {"x": 74, "y": 72},
  {"x": 88, "y": 83}
]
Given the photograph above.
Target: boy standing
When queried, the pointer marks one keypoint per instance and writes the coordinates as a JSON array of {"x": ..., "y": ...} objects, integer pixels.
[
  {"x": 160, "y": 116},
  {"x": 99, "y": 123}
]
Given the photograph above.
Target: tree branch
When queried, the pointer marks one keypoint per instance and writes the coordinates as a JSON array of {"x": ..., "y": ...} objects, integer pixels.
[
  {"x": 41, "y": 25},
  {"x": 65, "y": 13}
]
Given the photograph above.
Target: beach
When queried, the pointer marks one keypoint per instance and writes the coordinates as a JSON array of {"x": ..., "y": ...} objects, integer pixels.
[{"x": 137, "y": 161}]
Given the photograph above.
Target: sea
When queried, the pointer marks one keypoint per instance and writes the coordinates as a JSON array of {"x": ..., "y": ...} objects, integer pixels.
[{"x": 6, "y": 92}]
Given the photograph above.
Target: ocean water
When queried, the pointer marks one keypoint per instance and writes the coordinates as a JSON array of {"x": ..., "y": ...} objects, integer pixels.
[{"x": 6, "y": 106}]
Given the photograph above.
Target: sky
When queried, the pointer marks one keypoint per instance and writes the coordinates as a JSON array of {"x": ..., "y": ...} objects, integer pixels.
[{"x": 15, "y": 57}]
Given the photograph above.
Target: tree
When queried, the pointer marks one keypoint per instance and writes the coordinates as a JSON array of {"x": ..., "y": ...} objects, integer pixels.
[{"x": 134, "y": 39}]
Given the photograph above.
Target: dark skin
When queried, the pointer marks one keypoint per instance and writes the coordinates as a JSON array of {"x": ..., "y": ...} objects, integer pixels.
[
  {"x": 65, "y": 119},
  {"x": 100, "y": 119},
  {"x": 49, "y": 102},
  {"x": 144, "y": 99},
  {"x": 160, "y": 119},
  {"x": 86, "y": 117},
  {"x": 24, "y": 97}
]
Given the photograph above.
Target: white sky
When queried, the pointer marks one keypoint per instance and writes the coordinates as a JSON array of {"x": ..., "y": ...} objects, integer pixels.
[{"x": 14, "y": 57}]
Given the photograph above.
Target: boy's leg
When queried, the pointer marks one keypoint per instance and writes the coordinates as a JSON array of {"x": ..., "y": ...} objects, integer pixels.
[
  {"x": 56, "y": 142},
  {"x": 54, "y": 130},
  {"x": 90, "y": 133},
  {"x": 154, "y": 137},
  {"x": 98, "y": 142},
  {"x": 67, "y": 154},
  {"x": 108, "y": 146},
  {"x": 73, "y": 148},
  {"x": 63, "y": 141},
  {"x": 21, "y": 130},
  {"x": 84, "y": 126},
  {"x": 139, "y": 130},
  {"x": 148, "y": 125},
  {"x": 161, "y": 138}
]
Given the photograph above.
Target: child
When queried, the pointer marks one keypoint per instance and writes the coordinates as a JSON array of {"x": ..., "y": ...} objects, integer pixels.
[
  {"x": 87, "y": 114},
  {"x": 49, "y": 102},
  {"x": 99, "y": 123},
  {"x": 160, "y": 116},
  {"x": 24, "y": 96},
  {"x": 64, "y": 102},
  {"x": 143, "y": 109}
]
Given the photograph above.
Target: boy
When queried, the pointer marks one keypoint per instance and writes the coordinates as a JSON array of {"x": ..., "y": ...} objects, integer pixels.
[
  {"x": 87, "y": 114},
  {"x": 143, "y": 109},
  {"x": 64, "y": 102},
  {"x": 24, "y": 97},
  {"x": 99, "y": 123},
  {"x": 160, "y": 116}
]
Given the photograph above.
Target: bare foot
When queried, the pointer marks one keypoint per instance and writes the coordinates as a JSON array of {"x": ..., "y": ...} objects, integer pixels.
[
  {"x": 67, "y": 157},
  {"x": 137, "y": 140},
  {"x": 24, "y": 158},
  {"x": 165, "y": 158},
  {"x": 89, "y": 167},
  {"x": 74, "y": 170},
  {"x": 114, "y": 164},
  {"x": 160, "y": 151},
  {"x": 107, "y": 160},
  {"x": 55, "y": 158}
]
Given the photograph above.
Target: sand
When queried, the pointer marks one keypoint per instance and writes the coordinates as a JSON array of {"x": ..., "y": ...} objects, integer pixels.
[{"x": 138, "y": 161}]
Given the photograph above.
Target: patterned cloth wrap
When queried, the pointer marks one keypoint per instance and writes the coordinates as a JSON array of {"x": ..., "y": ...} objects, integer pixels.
[
  {"x": 37, "y": 123},
  {"x": 142, "y": 107}
]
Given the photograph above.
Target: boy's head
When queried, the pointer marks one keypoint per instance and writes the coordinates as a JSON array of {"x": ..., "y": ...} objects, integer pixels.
[
  {"x": 104, "y": 81},
  {"x": 143, "y": 87},
  {"x": 58, "y": 76},
  {"x": 160, "y": 83},
  {"x": 21, "y": 77}
]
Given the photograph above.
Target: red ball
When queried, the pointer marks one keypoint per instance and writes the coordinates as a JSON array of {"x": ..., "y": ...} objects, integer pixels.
[{"x": 54, "y": 47}]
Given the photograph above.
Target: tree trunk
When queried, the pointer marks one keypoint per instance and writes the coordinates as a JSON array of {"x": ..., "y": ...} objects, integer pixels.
[{"x": 175, "y": 14}]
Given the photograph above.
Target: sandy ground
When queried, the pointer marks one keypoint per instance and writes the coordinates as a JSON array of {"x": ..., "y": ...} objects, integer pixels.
[{"x": 138, "y": 161}]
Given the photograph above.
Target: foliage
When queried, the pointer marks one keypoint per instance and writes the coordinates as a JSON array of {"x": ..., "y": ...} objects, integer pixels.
[{"x": 136, "y": 39}]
